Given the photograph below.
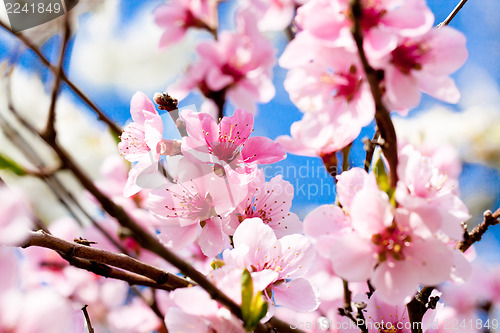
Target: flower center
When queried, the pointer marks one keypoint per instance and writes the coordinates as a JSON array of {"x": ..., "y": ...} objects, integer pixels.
[
  {"x": 192, "y": 206},
  {"x": 408, "y": 56},
  {"x": 133, "y": 140},
  {"x": 391, "y": 242}
]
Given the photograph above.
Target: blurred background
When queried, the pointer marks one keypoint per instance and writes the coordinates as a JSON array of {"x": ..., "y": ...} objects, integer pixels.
[{"x": 114, "y": 53}]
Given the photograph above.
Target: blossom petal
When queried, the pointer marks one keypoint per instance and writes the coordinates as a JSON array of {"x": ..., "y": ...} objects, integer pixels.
[{"x": 297, "y": 295}]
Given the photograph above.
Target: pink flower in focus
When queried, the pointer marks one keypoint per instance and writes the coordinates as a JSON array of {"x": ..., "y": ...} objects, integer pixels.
[
  {"x": 145, "y": 133},
  {"x": 193, "y": 209},
  {"x": 423, "y": 63},
  {"x": 270, "y": 201},
  {"x": 388, "y": 251},
  {"x": 335, "y": 84},
  {"x": 277, "y": 264},
  {"x": 178, "y": 16},
  {"x": 227, "y": 144}
]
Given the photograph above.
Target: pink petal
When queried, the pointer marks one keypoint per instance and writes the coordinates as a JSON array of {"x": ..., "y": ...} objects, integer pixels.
[
  {"x": 261, "y": 280},
  {"x": 179, "y": 321},
  {"x": 298, "y": 255},
  {"x": 349, "y": 183},
  {"x": 212, "y": 240},
  {"x": 195, "y": 301},
  {"x": 440, "y": 87},
  {"x": 352, "y": 249},
  {"x": 371, "y": 212},
  {"x": 297, "y": 295},
  {"x": 259, "y": 238},
  {"x": 262, "y": 150},
  {"x": 397, "y": 283},
  {"x": 402, "y": 90},
  {"x": 324, "y": 220},
  {"x": 139, "y": 103},
  {"x": 176, "y": 237},
  {"x": 238, "y": 127},
  {"x": 448, "y": 51},
  {"x": 432, "y": 260}
]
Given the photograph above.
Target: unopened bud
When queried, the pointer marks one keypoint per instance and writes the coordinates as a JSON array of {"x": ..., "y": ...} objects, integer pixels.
[{"x": 165, "y": 101}]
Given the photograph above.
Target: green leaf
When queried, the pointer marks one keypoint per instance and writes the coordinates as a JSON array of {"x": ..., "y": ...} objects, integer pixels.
[
  {"x": 383, "y": 181},
  {"x": 253, "y": 307},
  {"x": 9, "y": 164}
]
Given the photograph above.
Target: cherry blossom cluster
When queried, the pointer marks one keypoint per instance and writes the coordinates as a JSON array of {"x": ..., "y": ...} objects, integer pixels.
[
  {"x": 398, "y": 240},
  {"x": 327, "y": 80},
  {"x": 237, "y": 65},
  {"x": 356, "y": 264}
]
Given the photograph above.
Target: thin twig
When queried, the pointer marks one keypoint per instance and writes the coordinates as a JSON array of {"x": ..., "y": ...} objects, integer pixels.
[
  {"x": 50, "y": 132},
  {"x": 418, "y": 306},
  {"x": 114, "y": 127},
  {"x": 477, "y": 233},
  {"x": 452, "y": 14},
  {"x": 382, "y": 117},
  {"x": 52, "y": 181},
  {"x": 87, "y": 319}
]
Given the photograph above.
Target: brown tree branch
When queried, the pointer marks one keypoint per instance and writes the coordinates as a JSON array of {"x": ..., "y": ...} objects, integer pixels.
[
  {"x": 419, "y": 305},
  {"x": 50, "y": 132},
  {"x": 52, "y": 181},
  {"x": 155, "y": 277},
  {"x": 114, "y": 127},
  {"x": 452, "y": 14},
  {"x": 477, "y": 233},
  {"x": 382, "y": 117}
]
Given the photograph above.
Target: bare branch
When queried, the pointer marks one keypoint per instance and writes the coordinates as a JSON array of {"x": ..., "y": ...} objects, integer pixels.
[
  {"x": 50, "y": 132},
  {"x": 452, "y": 14},
  {"x": 419, "y": 305},
  {"x": 382, "y": 117},
  {"x": 114, "y": 127},
  {"x": 87, "y": 319},
  {"x": 69, "y": 251}
]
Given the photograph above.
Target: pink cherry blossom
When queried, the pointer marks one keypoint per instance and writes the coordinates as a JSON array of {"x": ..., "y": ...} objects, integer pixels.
[
  {"x": 281, "y": 263},
  {"x": 237, "y": 65},
  {"x": 423, "y": 190},
  {"x": 270, "y": 201},
  {"x": 388, "y": 251},
  {"x": 382, "y": 21},
  {"x": 194, "y": 208},
  {"x": 335, "y": 83},
  {"x": 178, "y": 16},
  {"x": 424, "y": 63},
  {"x": 196, "y": 312},
  {"x": 145, "y": 133},
  {"x": 227, "y": 144},
  {"x": 383, "y": 317},
  {"x": 319, "y": 135}
]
